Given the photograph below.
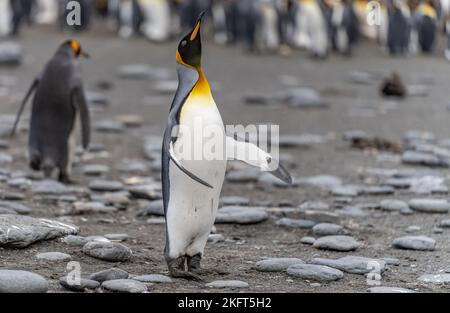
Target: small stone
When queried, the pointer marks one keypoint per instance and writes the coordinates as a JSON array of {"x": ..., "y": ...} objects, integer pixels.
[
  {"x": 146, "y": 192},
  {"x": 109, "y": 274},
  {"x": 233, "y": 284},
  {"x": 48, "y": 187},
  {"x": 438, "y": 279},
  {"x": 107, "y": 251},
  {"x": 79, "y": 208},
  {"x": 421, "y": 158},
  {"x": 76, "y": 241},
  {"x": 17, "y": 207},
  {"x": 130, "y": 120},
  {"x": 276, "y": 264},
  {"x": 241, "y": 215},
  {"x": 11, "y": 53},
  {"x": 353, "y": 264},
  {"x": 295, "y": 223},
  {"x": 233, "y": 200},
  {"x": 337, "y": 243},
  {"x": 105, "y": 185},
  {"x": 215, "y": 238},
  {"x": 328, "y": 229},
  {"x": 12, "y": 281},
  {"x": 314, "y": 272},
  {"x": 23, "y": 230},
  {"x": 413, "y": 229},
  {"x": 124, "y": 285},
  {"x": 11, "y": 196},
  {"x": 445, "y": 223},
  {"x": 116, "y": 237},
  {"x": 430, "y": 205},
  {"x": 344, "y": 191},
  {"x": 421, "y": 243},
  {"x": 393, "y": 205},
  {"x": 322, "y": 181},
  {"x": 109, "y": 126},
  {"x": 381, "y": 289},
  {"x": 305, "y": 98},
  {"x": 153, "y": 278},
  {"x": 78, "y": 284},
  {"x": 95, "y": 169},
  {"x": 53, "y": 257},
  {"x": 308, "y": 240},
  {"x": 314, "y": 206},
  {"x": 155, "y": 207}
]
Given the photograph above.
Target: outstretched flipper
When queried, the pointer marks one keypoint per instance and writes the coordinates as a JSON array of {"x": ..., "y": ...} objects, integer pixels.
[
  {"x": 80, "y": 103},
  {"x": 22, "y": 105},
  {"x": 251, "y": 154}
]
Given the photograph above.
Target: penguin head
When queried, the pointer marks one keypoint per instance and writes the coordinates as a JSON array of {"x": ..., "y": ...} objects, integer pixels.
[
  {"x": 75, "y": 47},
  {"x": 189, "y": 52}
]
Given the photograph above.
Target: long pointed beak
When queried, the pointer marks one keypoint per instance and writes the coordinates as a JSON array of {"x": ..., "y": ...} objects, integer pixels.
[
  {"x": 196, "y": 29},
  {"x": 85, "y": 55}
]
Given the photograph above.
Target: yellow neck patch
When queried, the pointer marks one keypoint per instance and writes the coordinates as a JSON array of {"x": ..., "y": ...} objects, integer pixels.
[
  {"x": 427, "y": 10},
  {"x": 201, "y": 89}
]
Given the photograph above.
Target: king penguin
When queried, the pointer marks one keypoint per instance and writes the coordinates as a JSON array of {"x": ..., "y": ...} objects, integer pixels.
[
  {"x": 192, "y": 184},
  {"x": 59, "y": 99}
]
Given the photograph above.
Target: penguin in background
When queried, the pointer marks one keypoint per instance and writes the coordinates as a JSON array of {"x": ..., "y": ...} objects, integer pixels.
[
  {"x": 128, "y": 17},
  {"x": 345, "y": 27},
  {"x": 219, "y": 16},
  {"x": 266, "y": 28},
  {"x": 47, "y": 11},
  {"x": 156, "y": 21},
  {"x": 58, "y": 102},
  {"x": 415, "y": 22},
  {"x": 427, "y": 26},
  {"x": 6, "y": 16},
  {"x": 311, "y": 28},
  {"x": 399, "y": 28},
  {"x": 447, "y": 29},
  {"x": 192, "y": 184}
]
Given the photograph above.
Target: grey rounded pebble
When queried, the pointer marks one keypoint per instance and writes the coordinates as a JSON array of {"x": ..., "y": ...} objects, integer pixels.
[
  {"x": 437, "y": 279},
  {"x": 421, "y": 243},
  {"x": 308, "y": 240},
  {"x": 337, "y": 243},
  {"x": 124, "y": 285},
  {"x": 116, "y": 237},
  {"x": 105, "y": 185},
  {"x": 109, "y": 274},
  {"x": 78, "y": 285},
  {"x": 107, "y": 251},
  {"x": 295, "y": 223},
  {"x": 327, "y": 229},
  {"x": 227, "y": 284},
  {"x": 381, "y": 289},
  {"x": 53, "y": 257},
  {"x": 353, "y": 264},
  {"x": 393, "y": 205},
  {"x": 276, "y": 264},
  {"x": 12, "y": 281},
  {"x": 314, "y": 272},
  {"x": 241, "y": 215},
  {"x": 430, "y": 205},
  {"x": 153, "y": 278}
]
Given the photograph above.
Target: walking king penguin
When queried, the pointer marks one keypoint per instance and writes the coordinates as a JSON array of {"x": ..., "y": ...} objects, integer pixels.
[
  {"x": 58, "y": 100},
  {"x": 192, "y": 184}
]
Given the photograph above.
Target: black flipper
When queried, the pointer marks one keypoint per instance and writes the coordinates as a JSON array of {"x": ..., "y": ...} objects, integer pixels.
[
  {"x": 79, "y": 102},
  {"x": 22, "y": 105}
]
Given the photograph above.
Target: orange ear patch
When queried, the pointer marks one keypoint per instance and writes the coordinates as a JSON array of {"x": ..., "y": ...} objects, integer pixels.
[{"x": 75, "y": 47}]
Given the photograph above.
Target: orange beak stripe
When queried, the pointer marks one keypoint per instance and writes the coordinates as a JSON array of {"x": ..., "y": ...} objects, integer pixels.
[{"x": 195, "y": 31}]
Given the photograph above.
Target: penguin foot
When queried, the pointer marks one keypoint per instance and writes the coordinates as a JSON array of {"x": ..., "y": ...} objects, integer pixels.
[
  {"x": 194, "y": 267},
  {"x": 177, "y": 269},
  {"x": 65, "y": 179}
]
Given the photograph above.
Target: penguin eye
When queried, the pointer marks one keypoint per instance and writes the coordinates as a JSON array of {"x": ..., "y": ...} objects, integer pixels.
[{"x": 183, "y": 43}]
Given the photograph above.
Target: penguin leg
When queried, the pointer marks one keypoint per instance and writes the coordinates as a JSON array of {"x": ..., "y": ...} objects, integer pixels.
[
  {"x": 66, "y": 168},
  {"x": 177, "y": 269}
]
